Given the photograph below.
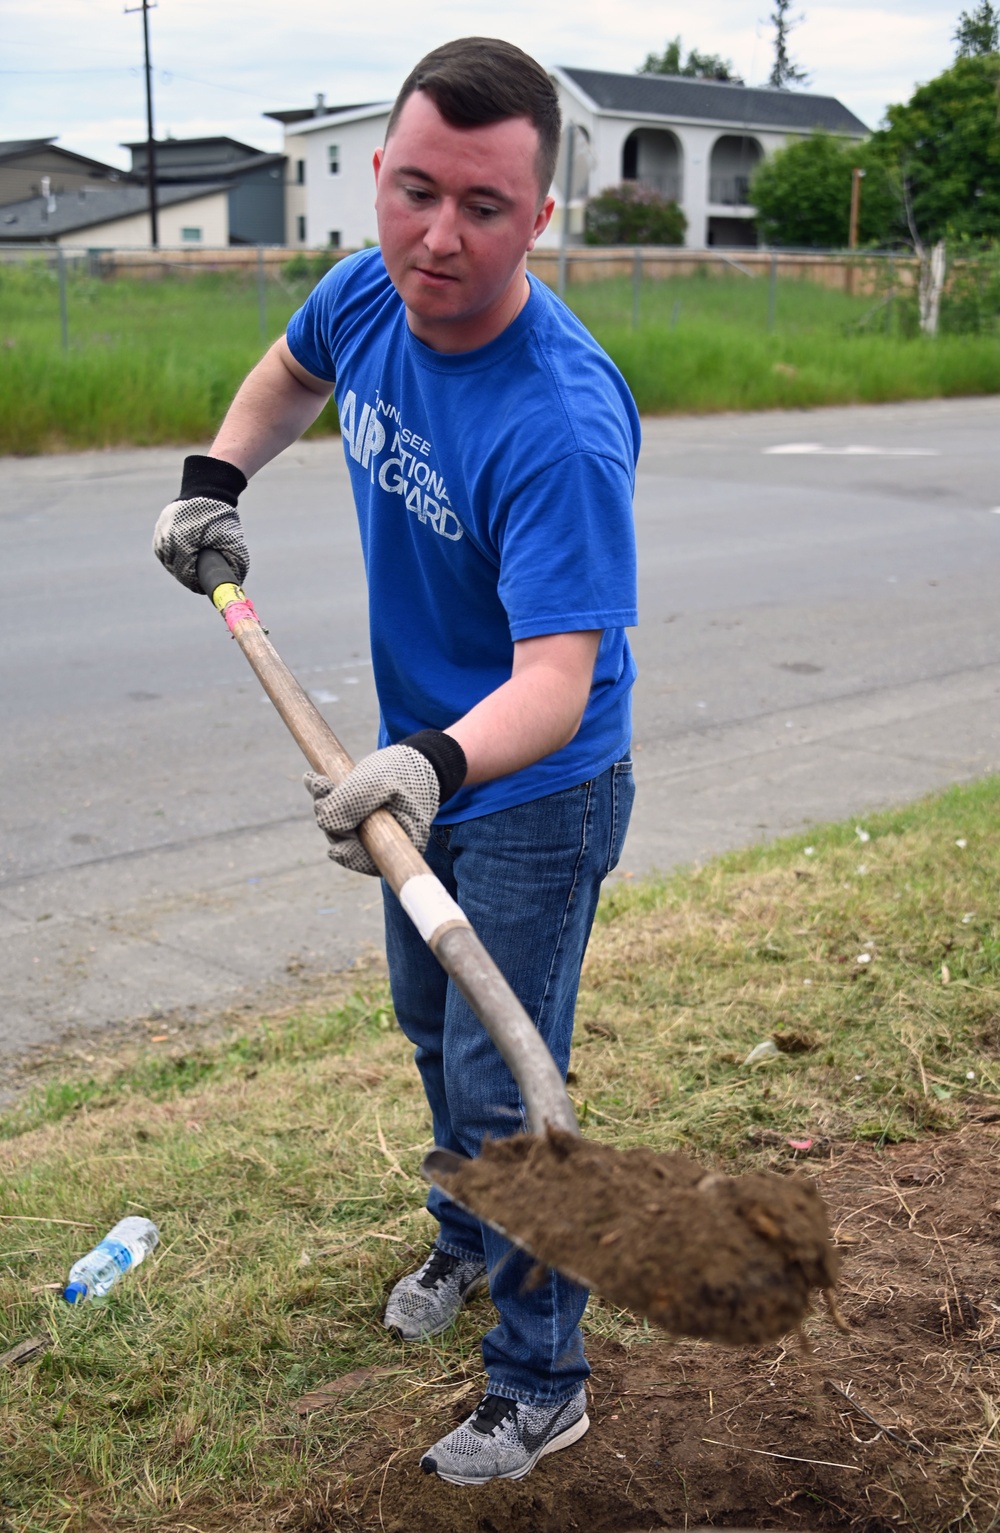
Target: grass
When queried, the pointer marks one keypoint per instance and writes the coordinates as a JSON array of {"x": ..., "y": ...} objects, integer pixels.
[
  {"x": 157, "y": 360},
  {"x": 282, "y": 1165},
  {"x": 703, "y": 344}
]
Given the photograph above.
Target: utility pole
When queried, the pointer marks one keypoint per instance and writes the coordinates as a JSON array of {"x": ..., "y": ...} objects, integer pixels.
[{"x": 154, "y": 223}]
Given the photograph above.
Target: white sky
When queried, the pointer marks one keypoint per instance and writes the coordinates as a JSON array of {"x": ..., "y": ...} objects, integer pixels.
[{"x": 73, "y": 68}]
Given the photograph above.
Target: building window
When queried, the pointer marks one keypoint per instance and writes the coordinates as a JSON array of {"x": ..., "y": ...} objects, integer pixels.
[
  {"x": 300, "y": 228},
  {"x": 190, "y": 235},
  {"x": 334, "y": 240},
  {"x": 300, "y": 172},
  {"x": 333, "y": 159}
]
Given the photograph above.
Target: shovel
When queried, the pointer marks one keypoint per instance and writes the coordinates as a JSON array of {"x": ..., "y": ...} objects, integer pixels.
[{"x": 724, "y": 1258}]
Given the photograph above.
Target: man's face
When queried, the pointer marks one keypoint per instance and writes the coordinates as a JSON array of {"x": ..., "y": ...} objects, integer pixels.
[{"x": 458, "y": 210}]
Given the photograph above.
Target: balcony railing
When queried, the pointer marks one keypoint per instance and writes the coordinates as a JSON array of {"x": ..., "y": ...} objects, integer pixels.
[{"x": 729, "y": 191}]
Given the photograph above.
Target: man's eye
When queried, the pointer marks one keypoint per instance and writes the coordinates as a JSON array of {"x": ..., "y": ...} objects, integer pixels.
[
  {"x": 484, "y": 210},
  {"x": 417, "y": 193}
]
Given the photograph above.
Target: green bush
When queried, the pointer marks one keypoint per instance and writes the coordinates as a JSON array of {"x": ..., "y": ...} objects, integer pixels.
[
  {"x": 632, "y": 214},
  {"x": 304, "y": 267}
]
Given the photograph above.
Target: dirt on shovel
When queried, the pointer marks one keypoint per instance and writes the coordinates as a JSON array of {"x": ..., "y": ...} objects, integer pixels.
[{"x": 725, "y": 1259}]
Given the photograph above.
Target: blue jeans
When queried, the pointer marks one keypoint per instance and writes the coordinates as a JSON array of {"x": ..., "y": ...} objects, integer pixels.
[{"x": 528, "y": 879}]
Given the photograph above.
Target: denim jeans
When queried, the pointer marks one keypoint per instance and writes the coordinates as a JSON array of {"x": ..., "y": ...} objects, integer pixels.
[{"x": 528, "y": 879}]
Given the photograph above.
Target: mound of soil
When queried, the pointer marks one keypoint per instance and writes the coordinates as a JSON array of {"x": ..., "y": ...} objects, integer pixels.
[
  {"x": 893, "y": 1425},
  {"x": 726, "y": 1259}
]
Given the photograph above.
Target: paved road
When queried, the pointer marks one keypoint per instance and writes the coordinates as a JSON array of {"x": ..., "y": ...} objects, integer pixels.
[{"x": 819, "y": 637}]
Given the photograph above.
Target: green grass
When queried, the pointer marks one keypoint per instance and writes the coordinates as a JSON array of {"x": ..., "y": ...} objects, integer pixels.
[
  {"x": 282, "y": 1166},
  {"x": 149, "y": 360},
  {"x": 703, "y": 344},
  {"x": 157, "y": 360}
]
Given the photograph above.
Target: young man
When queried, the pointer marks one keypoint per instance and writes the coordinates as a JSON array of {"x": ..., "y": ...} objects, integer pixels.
[{"x": 492, "y": 450}]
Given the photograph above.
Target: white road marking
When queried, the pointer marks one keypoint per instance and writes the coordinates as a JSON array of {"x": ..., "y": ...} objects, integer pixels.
[{"x": 817, "y": 449}]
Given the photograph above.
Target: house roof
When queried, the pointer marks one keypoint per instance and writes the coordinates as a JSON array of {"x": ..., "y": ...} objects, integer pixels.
[
  {"x": 193, "y": 143},
  {"x": 18, "y": 148},
  {"x": 344, "y": 115},
  {"x": 674, "y": 96},
  {"x": 303, "y": 113},
  {"x": 31, "y": 220},
  {"x": 224, "y": 170}
]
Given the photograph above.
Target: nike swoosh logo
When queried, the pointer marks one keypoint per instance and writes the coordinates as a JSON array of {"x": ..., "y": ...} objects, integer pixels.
[{"x": 533, "y": 1440}]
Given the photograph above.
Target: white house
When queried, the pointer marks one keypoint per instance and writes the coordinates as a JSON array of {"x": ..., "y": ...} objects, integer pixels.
[
  {"x": 695, "y": 141},
  {"x": 330, "y": 186}
]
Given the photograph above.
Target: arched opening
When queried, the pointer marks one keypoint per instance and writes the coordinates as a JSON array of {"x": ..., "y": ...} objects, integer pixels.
[
  {"x": 653, "y": 156},
  {"x": 734, "y": 157}
]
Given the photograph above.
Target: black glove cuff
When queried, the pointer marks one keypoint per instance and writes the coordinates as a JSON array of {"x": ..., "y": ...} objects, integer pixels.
[
  {"x": 213, "y": 478},
  {"x": 445, "y": 755}
]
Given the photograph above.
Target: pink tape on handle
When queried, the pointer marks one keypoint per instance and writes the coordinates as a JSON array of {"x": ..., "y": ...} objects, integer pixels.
[{"x": 237, "y": 611}]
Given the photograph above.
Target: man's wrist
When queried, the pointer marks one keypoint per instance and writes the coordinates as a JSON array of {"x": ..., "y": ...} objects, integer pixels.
[
  {"x": 445, "y": 755},
  {"x": 211, "y": 479}
]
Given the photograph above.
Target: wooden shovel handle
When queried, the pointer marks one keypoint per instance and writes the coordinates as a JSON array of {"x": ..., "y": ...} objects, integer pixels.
[{"x": 437, "y": 917}]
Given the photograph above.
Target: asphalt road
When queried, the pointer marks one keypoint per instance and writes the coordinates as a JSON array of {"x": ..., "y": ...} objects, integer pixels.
[{"x": 819, "y": 637}]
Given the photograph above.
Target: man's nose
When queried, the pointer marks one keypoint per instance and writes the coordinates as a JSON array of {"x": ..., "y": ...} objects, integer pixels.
[{"x": 442, "y": 233}]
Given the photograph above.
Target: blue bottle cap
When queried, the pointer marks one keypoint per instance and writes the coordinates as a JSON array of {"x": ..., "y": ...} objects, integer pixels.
[{"x": 74, "y": 1292}]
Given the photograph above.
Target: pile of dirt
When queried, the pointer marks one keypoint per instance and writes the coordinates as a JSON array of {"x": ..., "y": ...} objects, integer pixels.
[
  {"x": 894, "y": 1425},
  {"x": 725, "y": 1259}
]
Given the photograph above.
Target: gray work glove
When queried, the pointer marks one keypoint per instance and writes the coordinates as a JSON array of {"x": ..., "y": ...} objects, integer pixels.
[
  {"x": 412, "y": 780},
  {"x": 203, "y": 516}
]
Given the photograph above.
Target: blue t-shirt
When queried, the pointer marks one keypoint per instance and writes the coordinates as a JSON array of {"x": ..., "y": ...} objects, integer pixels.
[{"x": 494, "y": 496}]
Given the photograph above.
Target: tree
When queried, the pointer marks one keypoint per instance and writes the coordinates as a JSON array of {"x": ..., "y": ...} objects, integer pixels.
[
  {"x": 944, "y": 147},
  {"x": 803, "y": 195},
  {"x": 631, "y": 214},
  {"x": 699, "y": 66},
  {"x": 783, "y": 71},
  {"x": 978, "y": 31}
]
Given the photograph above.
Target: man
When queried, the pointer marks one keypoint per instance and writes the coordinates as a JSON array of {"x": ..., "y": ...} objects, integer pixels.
[{"x": 492, "y": 450}]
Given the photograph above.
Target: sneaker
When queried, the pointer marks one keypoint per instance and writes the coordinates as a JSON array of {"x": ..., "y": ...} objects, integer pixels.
[
  {"x": 503, "y": 1440},
  {"x": 427, "y": 1302}
]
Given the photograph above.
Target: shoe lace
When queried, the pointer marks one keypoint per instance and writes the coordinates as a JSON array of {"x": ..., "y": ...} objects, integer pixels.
[
  {"x": 491, "y": 1413},
  {"x": 440, "y": 1266}
]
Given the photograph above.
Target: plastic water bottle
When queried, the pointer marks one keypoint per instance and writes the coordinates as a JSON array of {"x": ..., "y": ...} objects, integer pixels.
[{"x": 129, "y": 1243}]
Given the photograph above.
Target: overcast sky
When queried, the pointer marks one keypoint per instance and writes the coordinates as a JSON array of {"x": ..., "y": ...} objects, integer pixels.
[{"x": 73, "y": 68}]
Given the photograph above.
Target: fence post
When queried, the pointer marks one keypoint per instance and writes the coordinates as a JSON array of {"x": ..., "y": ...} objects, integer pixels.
[
  {"x": 262, "y": 292},
  {"x": 772, "y": 291},
  {"x": 636, "y": 284},
  {"x": 567, "y": 199},
  {"x": 63, "y": 309}
]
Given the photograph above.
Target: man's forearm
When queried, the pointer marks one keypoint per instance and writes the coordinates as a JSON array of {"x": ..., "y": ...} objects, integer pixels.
[
  {"x": 272, "y": 408},
  {"x": 536, "y": 712}
]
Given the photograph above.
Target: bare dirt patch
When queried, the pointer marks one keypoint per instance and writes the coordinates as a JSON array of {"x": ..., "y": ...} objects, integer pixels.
[{"x": 895, "y": 1424}]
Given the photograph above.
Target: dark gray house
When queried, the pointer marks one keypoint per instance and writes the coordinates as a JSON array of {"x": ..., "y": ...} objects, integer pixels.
[{"x": 255, "y": 181}]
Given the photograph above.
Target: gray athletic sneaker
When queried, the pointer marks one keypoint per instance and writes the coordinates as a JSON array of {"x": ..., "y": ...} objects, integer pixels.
[
  {"x": 426, "y": 1302},
  {"x": 503, "y": 1440}
]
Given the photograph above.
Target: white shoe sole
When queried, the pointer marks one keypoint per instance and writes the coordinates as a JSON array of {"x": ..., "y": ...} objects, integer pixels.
[{"x": 571, "y": 1435}]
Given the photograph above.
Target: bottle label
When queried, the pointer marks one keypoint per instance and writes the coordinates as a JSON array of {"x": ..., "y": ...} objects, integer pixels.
[{"x": 120, "y": 1255}]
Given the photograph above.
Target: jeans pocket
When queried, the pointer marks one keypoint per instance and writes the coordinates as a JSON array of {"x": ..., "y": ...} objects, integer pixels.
[{"x": 622, "y": 798}]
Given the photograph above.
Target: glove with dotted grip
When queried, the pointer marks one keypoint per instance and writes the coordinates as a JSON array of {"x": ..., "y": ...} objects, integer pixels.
[
  {"x": 412, "y": 780},
  {"x": 203, "y": 516}
]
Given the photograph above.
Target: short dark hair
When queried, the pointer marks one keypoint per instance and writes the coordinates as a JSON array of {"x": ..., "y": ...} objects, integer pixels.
[{"x": 476, "y": 80}]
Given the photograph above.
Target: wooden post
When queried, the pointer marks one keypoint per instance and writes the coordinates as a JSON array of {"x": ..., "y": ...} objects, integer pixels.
[{"x": 852, "y": 230}]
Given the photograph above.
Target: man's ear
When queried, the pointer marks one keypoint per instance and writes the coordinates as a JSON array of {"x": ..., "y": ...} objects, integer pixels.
[
  {"x": 377, "y": 159},
  {"x": 542, "y": 218}
]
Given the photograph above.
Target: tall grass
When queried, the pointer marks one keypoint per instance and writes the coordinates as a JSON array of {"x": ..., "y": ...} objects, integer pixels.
[{"x": 157, "y": 360}]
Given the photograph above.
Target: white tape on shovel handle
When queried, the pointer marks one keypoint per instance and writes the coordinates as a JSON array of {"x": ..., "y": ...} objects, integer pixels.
[{"x": 429, "y": 905}]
